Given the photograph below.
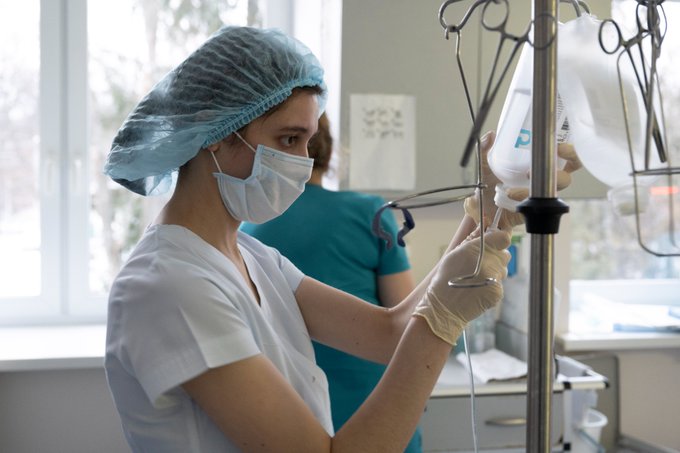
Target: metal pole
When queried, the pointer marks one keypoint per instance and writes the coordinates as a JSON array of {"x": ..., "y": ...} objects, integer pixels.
[{"x": 541, "y": 335}]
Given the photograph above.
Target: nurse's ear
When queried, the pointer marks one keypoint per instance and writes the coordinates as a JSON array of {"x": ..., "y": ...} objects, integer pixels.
[
  {"x": 214, "y": 147},
  {"x": 227, "y": 142}
]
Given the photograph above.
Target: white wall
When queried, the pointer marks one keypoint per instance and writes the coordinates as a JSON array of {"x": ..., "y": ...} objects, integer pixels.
[
  {"x": 64, "y": 411},
  {"x": 434, "y": 228},
  {"x": 650, "y": 396}
]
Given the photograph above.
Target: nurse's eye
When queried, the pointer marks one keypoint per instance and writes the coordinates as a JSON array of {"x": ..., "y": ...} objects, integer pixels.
[{"x": 289, "y": 140}]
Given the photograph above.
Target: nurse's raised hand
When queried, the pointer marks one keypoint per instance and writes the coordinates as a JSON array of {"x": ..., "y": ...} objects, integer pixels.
[
  {"x": 570, "y": 162},
  {"x": 448, "y": 309}
]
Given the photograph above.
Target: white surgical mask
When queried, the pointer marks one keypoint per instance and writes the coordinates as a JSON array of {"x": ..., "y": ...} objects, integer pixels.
[{"x": 276, "y": 181}]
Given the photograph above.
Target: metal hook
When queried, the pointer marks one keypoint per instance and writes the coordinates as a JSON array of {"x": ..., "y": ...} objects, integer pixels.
[
  {"x": 455, "y": 28},
  {"x": 579, "y": 6},
  {"x": 409, "y": 223}
]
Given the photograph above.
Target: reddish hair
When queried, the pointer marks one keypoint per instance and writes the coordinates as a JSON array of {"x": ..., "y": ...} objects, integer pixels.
[{"x": 321, "y": 145}]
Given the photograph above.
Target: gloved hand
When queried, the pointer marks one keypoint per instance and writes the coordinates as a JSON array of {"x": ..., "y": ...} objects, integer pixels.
[
  {"x": 509, "y": 219},
  {"x": 567, "y": 152},
  {"x": 448, "y": 309}
]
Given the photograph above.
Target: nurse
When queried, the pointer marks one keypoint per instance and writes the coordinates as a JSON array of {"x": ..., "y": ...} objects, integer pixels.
[{"x": 209, "y": 331}]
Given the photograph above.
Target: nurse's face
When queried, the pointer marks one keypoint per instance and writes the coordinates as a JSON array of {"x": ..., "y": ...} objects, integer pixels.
[{"x": 288, "y": 128}]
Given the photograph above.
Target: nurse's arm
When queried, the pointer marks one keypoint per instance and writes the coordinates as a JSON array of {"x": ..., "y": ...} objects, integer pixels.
[
  {"x": 256, "y": 408},
  {"x": 393, "y": 288},
  {"x": 344, "y": 322}
]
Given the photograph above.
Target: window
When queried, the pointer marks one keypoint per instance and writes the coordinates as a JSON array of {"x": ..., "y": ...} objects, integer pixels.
[
  {"x": 73, "y": 71},
  {"x": 20, "y": 154},
  {"x": 121, "y": 68},
  {"x": 608, "y": 266}
]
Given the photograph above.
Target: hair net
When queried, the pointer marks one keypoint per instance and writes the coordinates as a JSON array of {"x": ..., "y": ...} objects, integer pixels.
[{"x": 237, "y": 75}]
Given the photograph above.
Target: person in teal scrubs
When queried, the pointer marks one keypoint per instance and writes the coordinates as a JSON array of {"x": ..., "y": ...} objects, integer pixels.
[{"x": 335, "y": 245}]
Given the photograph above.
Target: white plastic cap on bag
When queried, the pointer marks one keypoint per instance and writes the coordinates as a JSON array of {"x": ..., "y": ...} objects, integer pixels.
[{"x": 502, "y": 199}]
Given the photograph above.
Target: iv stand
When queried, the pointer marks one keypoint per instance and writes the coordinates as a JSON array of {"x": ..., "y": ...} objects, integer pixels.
[{"x": 542, "y": 212}]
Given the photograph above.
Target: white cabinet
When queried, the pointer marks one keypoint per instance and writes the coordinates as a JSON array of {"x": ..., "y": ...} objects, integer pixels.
[
  {"x": 501, "y": 410},
  {"x": 500, "y": 423}
]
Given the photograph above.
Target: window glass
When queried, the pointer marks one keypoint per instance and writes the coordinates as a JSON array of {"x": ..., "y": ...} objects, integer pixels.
[
  {"x": 123, "y": 65},
  {"x": 71, "y": 73},
  {"x": 20, "y": 235},
  {"x": 614, "y": 280},
  {"x": 604, "y": 245}
]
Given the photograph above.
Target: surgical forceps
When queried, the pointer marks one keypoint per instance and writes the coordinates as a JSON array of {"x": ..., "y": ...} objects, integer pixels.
[{"x": 645, "y": 81}]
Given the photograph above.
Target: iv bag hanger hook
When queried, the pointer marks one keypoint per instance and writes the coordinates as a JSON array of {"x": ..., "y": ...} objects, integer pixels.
[{"x": 579, "y": 6}]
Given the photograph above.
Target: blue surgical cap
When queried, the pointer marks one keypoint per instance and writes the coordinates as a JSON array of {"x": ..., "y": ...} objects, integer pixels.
[{"x": 237, "y": 75}]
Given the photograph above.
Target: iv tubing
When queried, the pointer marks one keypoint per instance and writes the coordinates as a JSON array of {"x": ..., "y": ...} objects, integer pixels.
[
  {"x": 496, "y": 219},
  {"x": 473, "y": 416}
]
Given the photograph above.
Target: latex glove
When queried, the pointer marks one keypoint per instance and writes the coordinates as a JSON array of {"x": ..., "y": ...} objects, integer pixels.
[
  {"x": 448, "y": 309},
  {"x": 510, "y": 219},
  {"x": 567, "y": 152}
]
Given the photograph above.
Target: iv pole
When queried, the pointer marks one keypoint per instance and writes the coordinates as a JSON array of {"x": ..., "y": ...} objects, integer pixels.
[
  {"x": 542, "y": 210},
  {"x": 542, "y": 213}
]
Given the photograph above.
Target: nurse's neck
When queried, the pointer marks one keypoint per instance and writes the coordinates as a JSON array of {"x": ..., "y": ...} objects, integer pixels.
[
  {"x": 197, "y": 205},
  {"x": 317, "y": 176}
]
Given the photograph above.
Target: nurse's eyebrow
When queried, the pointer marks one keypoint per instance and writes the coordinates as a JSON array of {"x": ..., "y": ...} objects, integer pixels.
[{"x": 298, "y": 129}]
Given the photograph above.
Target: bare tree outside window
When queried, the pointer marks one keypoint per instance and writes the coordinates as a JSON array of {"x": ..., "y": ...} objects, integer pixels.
[
  {"x": 123, "y": 65},
  {"x": 20, "y": 237}
]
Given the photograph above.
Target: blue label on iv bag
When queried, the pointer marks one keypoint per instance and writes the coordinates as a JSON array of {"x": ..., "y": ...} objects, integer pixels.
[
  {"x": 523, "y": 139},
  {"x": 512, "y": 264}
]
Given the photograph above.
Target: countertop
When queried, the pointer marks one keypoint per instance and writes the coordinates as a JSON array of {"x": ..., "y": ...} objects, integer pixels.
[{"x": 455, "y": 380}]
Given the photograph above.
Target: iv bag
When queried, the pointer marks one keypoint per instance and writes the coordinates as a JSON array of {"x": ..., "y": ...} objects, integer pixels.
[
  {"x": 596, "y": 90},
  {"x": 510, "y": 157}
]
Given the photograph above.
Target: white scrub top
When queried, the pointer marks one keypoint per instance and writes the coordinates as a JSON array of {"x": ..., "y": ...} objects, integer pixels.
[{"x": 179, "y": 307}]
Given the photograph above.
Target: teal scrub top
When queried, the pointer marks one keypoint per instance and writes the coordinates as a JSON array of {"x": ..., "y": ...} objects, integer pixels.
[{"x": 327, "y": 235}]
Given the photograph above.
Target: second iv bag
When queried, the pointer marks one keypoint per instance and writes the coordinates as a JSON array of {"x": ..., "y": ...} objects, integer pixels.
[
  {"x": 596, "y": 87},
  {"x": 510, "y": 157}
]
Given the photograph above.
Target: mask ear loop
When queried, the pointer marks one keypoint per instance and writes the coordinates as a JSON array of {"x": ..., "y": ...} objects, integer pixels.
[
  {"x": 212, "y": 153},
  {"x": 250, "y": 147}
]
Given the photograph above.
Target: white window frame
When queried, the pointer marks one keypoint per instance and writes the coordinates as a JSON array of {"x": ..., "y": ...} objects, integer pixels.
[
  {"x": 51, "y": 80},
  {"x": 63, "y": 190},
  {"x": 64, "y": 296}
]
